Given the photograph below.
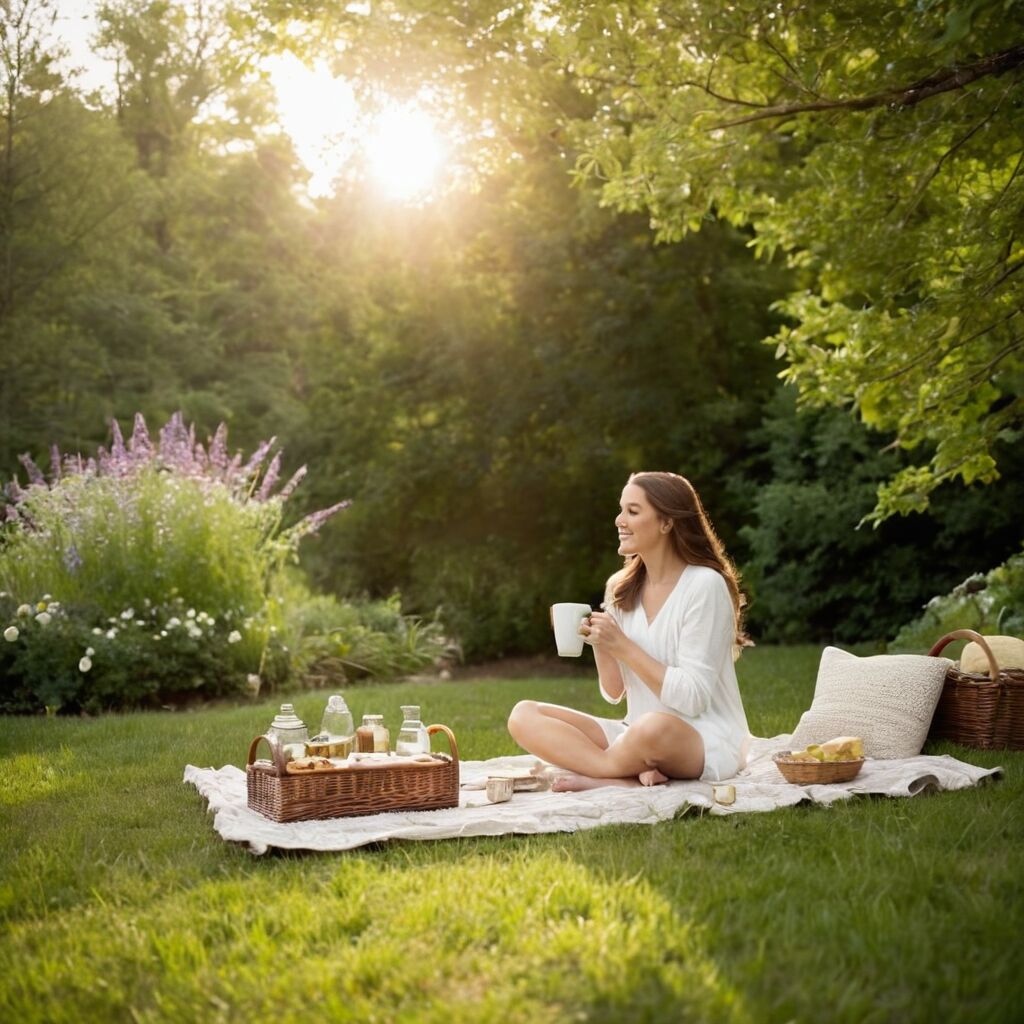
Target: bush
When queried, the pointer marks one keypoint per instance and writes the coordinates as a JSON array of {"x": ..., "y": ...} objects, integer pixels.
[
  {"x": 335, "y": 642},
  {"x": 144, "y": 574},
  {"x": 991, "y": 603}
]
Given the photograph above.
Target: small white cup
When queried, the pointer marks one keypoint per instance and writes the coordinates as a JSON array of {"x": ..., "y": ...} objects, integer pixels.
[{"x": 566, "y": 619}]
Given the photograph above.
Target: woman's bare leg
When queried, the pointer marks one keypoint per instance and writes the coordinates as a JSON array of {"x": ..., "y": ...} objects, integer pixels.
[{"x": 657, "y": 746}]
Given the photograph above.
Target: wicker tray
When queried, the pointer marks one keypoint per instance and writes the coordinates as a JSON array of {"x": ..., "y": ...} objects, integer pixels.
[
  {"x": 815, "y": 773},
  {"x": 345, "y": 792},
  {"x": 979, "y": 711}
]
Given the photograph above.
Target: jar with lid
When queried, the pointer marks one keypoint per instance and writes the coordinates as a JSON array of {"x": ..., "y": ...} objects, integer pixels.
[
  {"x": 413, "y": 737},
  {"x": 290, "y": 732},
  {"x": 373, "y": 737},
  {"x": 337, "y": 733}
]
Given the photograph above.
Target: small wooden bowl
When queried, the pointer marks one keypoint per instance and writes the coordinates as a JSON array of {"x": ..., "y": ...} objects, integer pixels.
[{"x": 816, "y": 773}]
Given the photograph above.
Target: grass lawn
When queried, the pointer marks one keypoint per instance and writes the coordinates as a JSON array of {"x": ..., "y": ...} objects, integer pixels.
[{"x": 120, "y": 902}]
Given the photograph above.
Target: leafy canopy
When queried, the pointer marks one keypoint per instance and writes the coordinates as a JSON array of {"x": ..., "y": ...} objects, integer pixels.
[{"x": 878, "y": 145}]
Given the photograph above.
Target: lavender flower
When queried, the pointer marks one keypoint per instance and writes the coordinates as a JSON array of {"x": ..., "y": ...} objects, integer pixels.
[
  {"x": 270, "y": 478},
  {"x": 35, "y": 476}
]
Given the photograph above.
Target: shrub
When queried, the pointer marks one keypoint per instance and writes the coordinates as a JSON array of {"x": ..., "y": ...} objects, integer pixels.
[
  {"x": 334, "y": 642},
  {"x": 159, "y": 558},
  {"x": 990, "y": 603}
]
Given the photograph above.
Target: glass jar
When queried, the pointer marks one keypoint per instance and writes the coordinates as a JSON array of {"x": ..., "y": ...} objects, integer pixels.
[
  {"x": 413, "y": 737},
  {"x": 337, "y": 733},
  {"x": 290, "y": 732},
  {"x": 372, "y": 737}
]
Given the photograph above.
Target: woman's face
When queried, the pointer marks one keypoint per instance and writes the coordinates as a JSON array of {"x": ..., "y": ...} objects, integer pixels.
[{"x": 639, "y": 526}]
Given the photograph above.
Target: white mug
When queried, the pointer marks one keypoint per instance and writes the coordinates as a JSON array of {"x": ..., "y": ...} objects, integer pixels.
[{"x": 566, "y": 619}]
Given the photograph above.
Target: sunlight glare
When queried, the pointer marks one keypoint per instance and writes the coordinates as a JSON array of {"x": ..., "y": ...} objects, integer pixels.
[
  {"x": 404, "y": 153},
  {"x": 321, "y": 115}
]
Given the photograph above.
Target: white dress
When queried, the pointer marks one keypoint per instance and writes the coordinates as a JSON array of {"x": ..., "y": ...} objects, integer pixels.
[{"x": 693, "y": 635}]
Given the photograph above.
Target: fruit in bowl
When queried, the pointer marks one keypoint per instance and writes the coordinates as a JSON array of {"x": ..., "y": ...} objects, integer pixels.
[{"x": 842, "y": 748}]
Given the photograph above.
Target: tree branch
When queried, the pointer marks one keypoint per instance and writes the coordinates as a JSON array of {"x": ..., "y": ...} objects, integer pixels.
[{"x": 898, "y": 97}]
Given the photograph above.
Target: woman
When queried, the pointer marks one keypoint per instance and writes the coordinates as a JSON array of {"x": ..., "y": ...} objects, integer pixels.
[{"x": 665, "y": 641}]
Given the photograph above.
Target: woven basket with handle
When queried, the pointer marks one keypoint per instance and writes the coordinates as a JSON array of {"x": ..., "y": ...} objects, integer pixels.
[
  {"x": 364, "y": 788},
  {"x": 980, "y": 711}
]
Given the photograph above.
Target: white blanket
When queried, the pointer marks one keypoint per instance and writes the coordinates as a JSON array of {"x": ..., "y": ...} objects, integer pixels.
[{"x": 759, "y": 787}]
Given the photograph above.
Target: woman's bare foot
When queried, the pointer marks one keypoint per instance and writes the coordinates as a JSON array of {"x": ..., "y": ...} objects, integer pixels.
[
  {"x": 652, "y": 777},
  {"x": 571, "y": 783}
]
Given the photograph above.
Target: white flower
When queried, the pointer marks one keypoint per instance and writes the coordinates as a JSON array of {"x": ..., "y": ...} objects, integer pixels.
[
  {"x": 47, "y": 597},
  {"x": 96, "y": 631},
  {"x": 128, "y": 613},
  {"x": 11, "y": 634},
  {"x": 89, "y": 652},
  {"x": 139, "y": 622},
  {"x": 112, "y": 621},
  {"x": 156, "y": 636},
  {"x": 43, "y": 618},
  {"x": 163, "y": 632},
  {"x": 85, "y": 664},
  {"x": 111, "y": 633},
  {"x": 234, "y": 636},
  {"x": 24, "y": 609},
  {"x": 173, "y": 621},
  {"x": 191, "y": 613}
]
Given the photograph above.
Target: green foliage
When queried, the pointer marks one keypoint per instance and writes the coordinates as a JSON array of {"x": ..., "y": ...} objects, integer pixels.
[
  {"x": 988, "y": 603},
  {"x": 481, "y": 372},
  {"x": 161, "y": 557},
  {"x": 815, "y": 570},
  {"x": 334, "y": 642},
  {"x": 509, "y": 374},
  {"x": 878, "y": 146}
]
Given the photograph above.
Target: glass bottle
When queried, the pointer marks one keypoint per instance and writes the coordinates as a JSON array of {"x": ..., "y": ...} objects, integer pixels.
[
  {"x": 373, "y": 737},
  {"x": 413, "y": 737},
  {"x": 290, "y": 731},
  {"x": 337, "y": 732}
]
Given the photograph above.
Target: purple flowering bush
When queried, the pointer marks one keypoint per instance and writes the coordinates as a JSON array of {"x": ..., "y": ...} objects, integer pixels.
[{"x": 146, "y": 573}]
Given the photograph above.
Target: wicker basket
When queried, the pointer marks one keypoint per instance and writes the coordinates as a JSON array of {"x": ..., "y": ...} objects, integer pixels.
[
  {"x": 815, "y": 773},
  {"x": 360, "y": 789},
  {"x": 980, "y": 711}
]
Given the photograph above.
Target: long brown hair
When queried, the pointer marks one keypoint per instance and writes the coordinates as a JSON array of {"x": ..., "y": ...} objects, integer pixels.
[{"x": 674, "y": 498}]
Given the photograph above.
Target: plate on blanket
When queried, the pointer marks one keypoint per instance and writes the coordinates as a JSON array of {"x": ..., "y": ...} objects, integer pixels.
[{"x": 815, "y": 773}]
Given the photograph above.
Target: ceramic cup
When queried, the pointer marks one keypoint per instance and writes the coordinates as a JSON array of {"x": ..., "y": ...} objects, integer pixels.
[{"x": 565, "y": 620}]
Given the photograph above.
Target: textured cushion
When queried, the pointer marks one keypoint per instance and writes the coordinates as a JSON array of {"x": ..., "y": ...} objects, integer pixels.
[{"x": 888, "y": 700}]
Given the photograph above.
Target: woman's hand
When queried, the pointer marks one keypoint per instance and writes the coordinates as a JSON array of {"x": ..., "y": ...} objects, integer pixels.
[{"x": 599, "y": 629}]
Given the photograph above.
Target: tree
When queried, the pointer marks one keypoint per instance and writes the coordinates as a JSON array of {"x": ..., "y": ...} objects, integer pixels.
[
  {"x": 69, "y": 202},
  {"x": 880, "y": 147}
]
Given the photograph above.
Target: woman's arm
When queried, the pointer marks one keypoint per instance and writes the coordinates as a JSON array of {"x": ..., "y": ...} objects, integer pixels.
[{"x": 609, "y": 676}]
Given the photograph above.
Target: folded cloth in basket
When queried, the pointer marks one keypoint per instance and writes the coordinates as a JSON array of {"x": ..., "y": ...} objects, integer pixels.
[{"x": 759, "y": 787}]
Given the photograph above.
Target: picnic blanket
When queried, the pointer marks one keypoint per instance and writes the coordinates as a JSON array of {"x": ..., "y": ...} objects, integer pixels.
[{"x": 759, "y": 787}]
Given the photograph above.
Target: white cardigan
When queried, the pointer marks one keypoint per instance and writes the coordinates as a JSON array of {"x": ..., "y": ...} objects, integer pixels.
[{"x": 693, "y": 634}]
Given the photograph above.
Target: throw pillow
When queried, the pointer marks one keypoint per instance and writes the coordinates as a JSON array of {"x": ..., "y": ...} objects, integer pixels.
[{"x": 887, "y": 700}]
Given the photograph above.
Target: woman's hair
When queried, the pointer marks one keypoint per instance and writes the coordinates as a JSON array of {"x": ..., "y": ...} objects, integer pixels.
[{"x": 674, "y": 498}]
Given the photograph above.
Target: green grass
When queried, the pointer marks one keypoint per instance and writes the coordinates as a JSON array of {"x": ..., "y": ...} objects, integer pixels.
[{"x": 120, "y": 902}]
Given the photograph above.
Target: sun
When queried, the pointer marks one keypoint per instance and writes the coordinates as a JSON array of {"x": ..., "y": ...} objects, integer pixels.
[
  {"x": 404, "y": 153},
  {"x": 399, "y": 150}
]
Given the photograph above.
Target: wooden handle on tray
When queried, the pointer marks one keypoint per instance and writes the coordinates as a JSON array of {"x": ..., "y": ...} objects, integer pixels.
[
  {"x": 276, "y": 753},
  {"x": 431, "y": 729},
  {"x": 969, "y": 634}
]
